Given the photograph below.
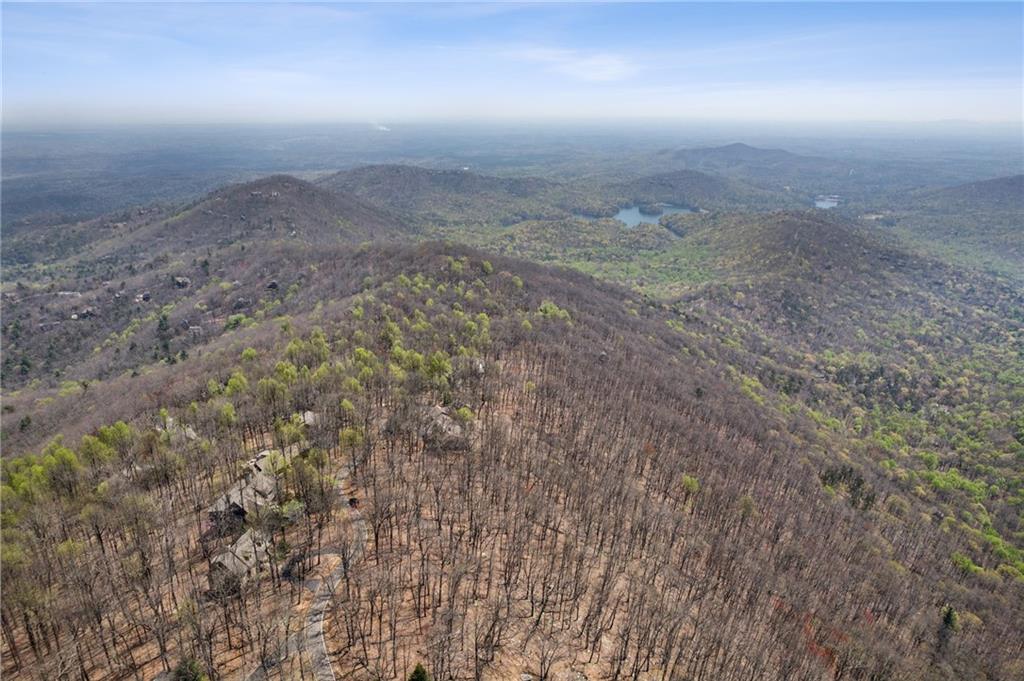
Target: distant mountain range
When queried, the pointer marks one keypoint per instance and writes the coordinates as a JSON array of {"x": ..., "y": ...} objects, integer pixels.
[
  {"x": 699, "y": 190},
  {"x": 446, "y": 195},
  {"x": 978, "y": 224},
  {"x": 1000, "y": 193},
  {"x": 776, "y": 169}
]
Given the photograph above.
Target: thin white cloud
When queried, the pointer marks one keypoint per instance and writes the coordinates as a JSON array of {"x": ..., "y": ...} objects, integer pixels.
[
  {"x": 590, "y": 67},
  {"x": 277, "y": 78}
]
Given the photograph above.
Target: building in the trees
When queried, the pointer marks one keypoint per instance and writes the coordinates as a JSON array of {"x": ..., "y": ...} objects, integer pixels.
[
  {"x": 239, "y": 562},
  {"x": 255, "y": 491},
  {"x": 440, "y": 431}
]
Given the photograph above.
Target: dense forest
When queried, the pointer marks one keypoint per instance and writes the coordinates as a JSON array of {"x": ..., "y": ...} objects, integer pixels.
[{"x": 403, "y": 417}]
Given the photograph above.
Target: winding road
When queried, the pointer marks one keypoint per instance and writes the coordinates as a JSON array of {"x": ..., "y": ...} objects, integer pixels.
[
  {"x": 313, "y": 632},
  {"x": 311, "y": 637}
]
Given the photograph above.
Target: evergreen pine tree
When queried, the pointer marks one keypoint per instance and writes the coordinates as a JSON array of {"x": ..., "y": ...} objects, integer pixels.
[{"x": 419, "y": 674}]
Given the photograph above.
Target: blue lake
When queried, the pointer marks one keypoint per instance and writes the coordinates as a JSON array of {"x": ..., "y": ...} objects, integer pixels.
[{"x": 633, "y": 217}]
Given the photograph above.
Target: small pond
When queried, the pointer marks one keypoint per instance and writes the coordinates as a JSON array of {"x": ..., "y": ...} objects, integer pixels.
[{"x": 633, "y": 216}]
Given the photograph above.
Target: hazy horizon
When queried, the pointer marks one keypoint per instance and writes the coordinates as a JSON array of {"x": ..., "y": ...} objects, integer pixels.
[{"x": 949, "y": 64}]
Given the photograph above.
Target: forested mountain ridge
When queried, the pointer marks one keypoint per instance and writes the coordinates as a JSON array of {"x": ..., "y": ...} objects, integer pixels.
[
  {"x": 455, "y": 195},
  {"x": 917, "y": 362},
  {"x": 274, "y": 207},
  {"x": 699, "y": 190},
  {"x": 408, "y": 185},
  {"x": 1004, "y": 193},
  {"x": 854, "y": 178},
  {"x": 908, "y": 359},
  {"x": 735, "y": 154},
  {"x": 977, "y": 224},
  {"x": 808, "y": 435}
]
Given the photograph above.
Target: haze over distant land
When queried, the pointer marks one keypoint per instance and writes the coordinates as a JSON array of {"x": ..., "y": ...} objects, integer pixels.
[{"x": 78, "y": 64}]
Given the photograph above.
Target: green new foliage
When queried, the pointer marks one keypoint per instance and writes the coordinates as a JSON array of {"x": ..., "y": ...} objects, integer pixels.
[
  {"x": 286, "y": 372},
  {"x": 271, "y": 391},
  {"x": 94, "y": 451},
  {"x": 456, "y": 266},
  {"x": 237, "y": 384},
  {"x": 234, "y": 321},
  {"x": 226, "y": 416},
  {"x": 438, "y": 368},
  {"x": 548, "y": 310},
  {"x": 410, "y": 360},
  {"x": 350, "y": 437},
  {"x": 929, "y": 459},
  {"x": 26, "y": 479},
  {"x": 748, "y": 509},
  {"x": 964, "y": 564},
  {"x": 62, "y": 468},
  {"x": 952, "y": 480},
  {"x": 118, "y": 436},
  {"x": 391, "y": 335},
  {"x": 364, "y": 357},
  {"x": 308, "y": 353}
]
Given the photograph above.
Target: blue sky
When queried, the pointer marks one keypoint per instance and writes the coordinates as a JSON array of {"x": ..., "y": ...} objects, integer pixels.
[{"x": 81, "y": 64}]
